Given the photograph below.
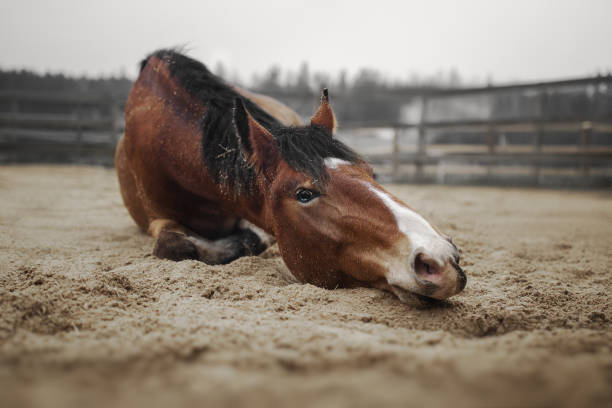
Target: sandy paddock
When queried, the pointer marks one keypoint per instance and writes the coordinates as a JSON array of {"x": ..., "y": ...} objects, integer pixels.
[{"x": 89, "y": 318}]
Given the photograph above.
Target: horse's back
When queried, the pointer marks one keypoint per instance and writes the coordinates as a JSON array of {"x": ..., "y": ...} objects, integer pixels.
[{"x": 277, "y": 109}]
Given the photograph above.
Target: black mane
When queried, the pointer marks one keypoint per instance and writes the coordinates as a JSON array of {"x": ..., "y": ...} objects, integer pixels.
[{"x": 303, "y": 148}]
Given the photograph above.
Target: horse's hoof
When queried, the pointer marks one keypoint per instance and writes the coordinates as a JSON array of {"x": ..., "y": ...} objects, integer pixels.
[{"x": 174, "y": 246}]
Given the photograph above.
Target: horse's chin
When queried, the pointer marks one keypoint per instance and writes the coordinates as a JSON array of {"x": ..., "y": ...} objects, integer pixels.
[{"x": 410, "y": 297}]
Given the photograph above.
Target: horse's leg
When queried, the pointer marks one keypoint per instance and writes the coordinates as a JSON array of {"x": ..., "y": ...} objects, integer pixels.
[
  {"x": 172, "y": 240},
  {"x": 175, "y": 242},
  {"x": 246, "y": 240}
]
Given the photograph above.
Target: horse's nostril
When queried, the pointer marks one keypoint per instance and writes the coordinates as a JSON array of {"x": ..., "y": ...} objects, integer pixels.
[{"x": 424, "y": 267}]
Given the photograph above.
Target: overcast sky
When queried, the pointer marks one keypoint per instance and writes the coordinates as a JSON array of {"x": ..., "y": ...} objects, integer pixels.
[{"x": 506, "y": 40}]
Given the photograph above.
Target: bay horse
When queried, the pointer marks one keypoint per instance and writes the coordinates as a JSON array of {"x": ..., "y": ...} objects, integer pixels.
[{"x": 214, "y": 173}]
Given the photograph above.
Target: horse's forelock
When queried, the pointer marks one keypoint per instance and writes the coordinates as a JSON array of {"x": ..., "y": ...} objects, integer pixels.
[{"x": 306, "y": 148}]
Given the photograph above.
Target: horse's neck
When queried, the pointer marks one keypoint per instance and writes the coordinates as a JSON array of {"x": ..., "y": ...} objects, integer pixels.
[{"x": 188, "y": 170}]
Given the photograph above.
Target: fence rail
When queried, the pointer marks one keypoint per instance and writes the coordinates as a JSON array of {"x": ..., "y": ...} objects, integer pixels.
[
  {"x": 83, "y": 128},
  {"x": 534, "y": 163},
  {"x": 581, "y": 157},
  {"x": 88, "y": 127},
  {"x": 54, "y": 122}
]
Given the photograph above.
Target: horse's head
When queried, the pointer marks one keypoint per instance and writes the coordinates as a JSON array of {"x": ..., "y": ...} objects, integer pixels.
[{"x": 335, "y": 225}]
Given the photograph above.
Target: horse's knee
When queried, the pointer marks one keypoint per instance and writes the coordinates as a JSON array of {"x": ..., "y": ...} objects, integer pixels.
[
  {"x": 244, "y": 243},
  {"x": 175, "y": 242},
  {"x": 228, "y": 249},
  {"x": 174, "y": 246},
  {"x": 250, "y": 243}
]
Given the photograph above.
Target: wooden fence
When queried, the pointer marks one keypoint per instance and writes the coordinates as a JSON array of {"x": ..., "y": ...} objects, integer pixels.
[
  {"x": 534, "y": 163},
  {"x": 81, "y": 129},
  {"x": 85, "y": 129}
]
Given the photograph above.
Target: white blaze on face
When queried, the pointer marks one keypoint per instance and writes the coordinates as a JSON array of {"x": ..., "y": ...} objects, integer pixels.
[{"x": 421, "y": 236}]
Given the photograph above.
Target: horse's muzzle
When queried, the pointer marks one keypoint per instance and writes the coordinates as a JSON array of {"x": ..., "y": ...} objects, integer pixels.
[{"x": 436, "y": 280}]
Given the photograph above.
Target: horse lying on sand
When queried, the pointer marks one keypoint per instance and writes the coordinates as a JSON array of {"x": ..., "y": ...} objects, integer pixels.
[{"x": 214, "y": 173}]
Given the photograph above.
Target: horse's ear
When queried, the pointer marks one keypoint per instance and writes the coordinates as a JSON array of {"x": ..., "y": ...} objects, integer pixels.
[
  {"x": 324, "y": 116},
  {"x": 240, "y": 119},
  {"x": 257, "y": 144}
]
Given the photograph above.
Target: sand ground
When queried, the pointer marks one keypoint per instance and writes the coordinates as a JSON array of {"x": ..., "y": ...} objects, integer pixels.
[{"x": 89, "y": 318}]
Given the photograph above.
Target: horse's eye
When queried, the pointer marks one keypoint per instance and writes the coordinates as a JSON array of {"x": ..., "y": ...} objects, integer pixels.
[{"x": 304, "y": 195}]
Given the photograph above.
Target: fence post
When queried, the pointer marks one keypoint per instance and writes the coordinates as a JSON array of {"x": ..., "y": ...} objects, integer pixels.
[
  {"x": 543, "y": 115},
  {"x": 539, "y": 131},
  {"x": 13, "y": 118},
  {"x": 15, "y": 105},
  {"x": 491, "y": 142},
  {"x": 395, "y": 160},
  {"x": 585, "y": 144},
  {"x": 115, "y": 116},
  {"x": 421, "y": 142},
  {"x": 79, "y": 135}
]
